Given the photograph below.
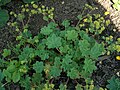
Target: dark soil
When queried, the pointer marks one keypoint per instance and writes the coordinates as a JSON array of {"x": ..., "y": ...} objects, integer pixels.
[{"x": 68, "y": 9}]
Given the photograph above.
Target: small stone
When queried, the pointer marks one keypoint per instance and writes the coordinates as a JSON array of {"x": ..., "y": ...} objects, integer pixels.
[
  {"x": 118, "y": 73},
  {"x": 100, "y": 62},
  {"x": 114, "y": 30},
  {"x": 63, "y": 2}
]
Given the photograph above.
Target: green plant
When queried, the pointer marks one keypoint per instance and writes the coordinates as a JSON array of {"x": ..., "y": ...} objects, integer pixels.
[
  {"x": 114, "y": 83},
  {"x": 96, "y": 22},
  {"x": 6, "y": 52},
  {"x": 36, "y": 60},
  {"x": 35, "y": 10},
  {"x": 3, "y": 2},
  {"x": 114, "y": 46},
  {"x": 89, "y": 86},
  {"x": 116, "y": 4},
  {"x": 61, "y": 50}
]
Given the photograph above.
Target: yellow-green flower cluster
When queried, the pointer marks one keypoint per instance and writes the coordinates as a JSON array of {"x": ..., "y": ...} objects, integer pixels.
[
  {"x": 96, "y": 22},
  {"x": 109, "y": 38},
  {"x": 36, "y": 9},
  {"x": 115, "y": 46}
]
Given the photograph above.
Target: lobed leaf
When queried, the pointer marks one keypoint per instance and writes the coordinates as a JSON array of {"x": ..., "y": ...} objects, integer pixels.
[
  {"x": 46, "y": 30},
  {"x": 71, "y": 35},
  {"x": 16, "y": 77},
  {"x": 53, "y": 41},
  {"x": 73, "y": 73},
  {"x": 114, "y": 84},
  {"x": 55, "y": 71},
  {"x": 38, "y": 67},
  {"x": 6, "y": 52},
  {"x": 96, "y": 50},
  {"x": 89, "y": 65},
  {"x": 84, "y": 46}
]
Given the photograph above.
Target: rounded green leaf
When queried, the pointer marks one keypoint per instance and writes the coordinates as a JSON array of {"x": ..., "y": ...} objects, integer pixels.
[
  {"x": 55, "y": 71},
  {"x": 3, "y": 2},
  {"x": 4, "y": 17},
  {"x": 6, "y": 52},
  {"x": 38, "y": 67},
  {"x": 16, "y": 77}
]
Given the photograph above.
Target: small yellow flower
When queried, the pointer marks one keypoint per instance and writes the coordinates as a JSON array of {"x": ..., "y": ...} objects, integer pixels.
[
  {"x": 22, "y": 6},
  {"x": 117, "y": 48},
  {"x": 11, "y": 13},
  {"x": 118, "y": 57},
  {"x": 23, "y": 10},
  {"x": 43, "y": 6},
  {"x": 81, "y": 25},
  {"x": 26, "y": 5},
  {"x": 52, "y": 9},
  {"x": 39, "y": 9},
  {"x": 33, "y": 11},
  {"x": 108, "y": 52},
  {"x": 32, "y": 2},
  {"x": 35, "y": 6},
  {"x": 106, "y": 13},
  {"x": 15, "y": 15},
  {"x": 17, "y": 29},
  {"x": 111, "y": 37},
  {"x": 107, "y": 38},
  {"x": 27, "y": 10},
  {"x": 85, "y": 20}
]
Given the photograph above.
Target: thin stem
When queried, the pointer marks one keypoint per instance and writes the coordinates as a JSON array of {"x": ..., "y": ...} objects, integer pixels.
[
  {"x": 83, "y": 16},
  {"x": 5, "y": 84},
  {"x": 59, "y": 51},
  {"x": 52, "y": 81},
  {"x": 28, "y": 19},
  {"x": 23, "y": 23},
  {"x": 67, "y": 81},
  {"x": 53, "y": 20},
  {"x": 76, "y": 81}
]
